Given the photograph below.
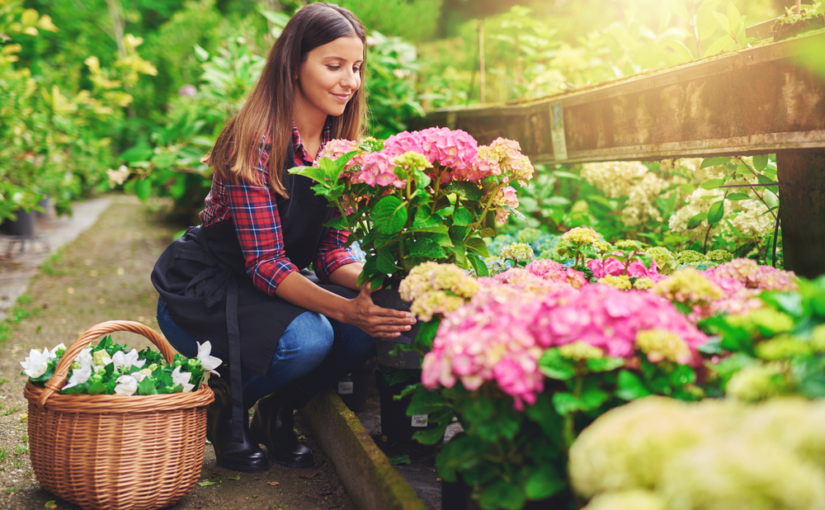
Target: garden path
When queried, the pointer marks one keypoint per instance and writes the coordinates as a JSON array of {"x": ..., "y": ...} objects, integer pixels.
[{"x": 104, "y": 275}]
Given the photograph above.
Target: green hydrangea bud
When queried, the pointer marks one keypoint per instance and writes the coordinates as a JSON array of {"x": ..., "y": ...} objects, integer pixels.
[
  {"x": 690, "y": 257},
  {"x": 100, "y": 357},
  {"x": 660, "y": 345},
  {"x": 412, "y": 160},
  {"x": 783, "y": 347},
  {"x": 757, "y": 382},
  {"x": 528, "y": 235},
  {"x": 517, "y": 251},
  {"x": 763, "y": 321},
  {"x": 720, "y": 256},
  {"x": 643, "y": 284},
  {"x": 603, "y": 247},
  {"x": 629, "y": 244},
  {"x": 818, "y": 338},
  {"x": 621, "y": 282},
  {"x": 75, "y": 365},
  {"x": 579, "y": 350},
  {"x": 663, "y": 257}
]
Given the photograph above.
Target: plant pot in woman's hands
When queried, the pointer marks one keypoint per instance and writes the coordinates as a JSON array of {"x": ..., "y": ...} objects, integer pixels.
[
  {"x": 22, "y": 226},
  {"x": 390, "y": 298}
]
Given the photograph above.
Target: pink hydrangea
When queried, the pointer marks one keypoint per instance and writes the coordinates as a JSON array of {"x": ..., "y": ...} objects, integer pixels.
[
  {"x": 403, "y": 142},
  {"x": 614, "y": 267},
  {"x": 550, "y": 270},
  {"x": 503, "y": 332},
  {"x": 454, "y": 149},
  {"x": 377, "y": 170},
  {"x": 334, "y": 149},
  {"x": 506, "y": 197},
  {"x": 755, "y": 276}
]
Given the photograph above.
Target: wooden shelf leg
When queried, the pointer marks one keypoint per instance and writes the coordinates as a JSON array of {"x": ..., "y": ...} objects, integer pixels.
[{"x": 802, "y": 210}]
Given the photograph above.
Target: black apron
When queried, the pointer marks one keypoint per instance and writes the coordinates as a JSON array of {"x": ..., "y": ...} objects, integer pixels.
[{"x": 203, "y": 279}]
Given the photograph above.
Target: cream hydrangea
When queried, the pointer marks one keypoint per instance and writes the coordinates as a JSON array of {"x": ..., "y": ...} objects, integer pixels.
[{"x": 616, "y": 178}]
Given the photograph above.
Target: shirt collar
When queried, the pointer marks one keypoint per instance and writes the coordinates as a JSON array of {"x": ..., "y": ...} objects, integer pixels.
[{"x": 298, "y": 144}]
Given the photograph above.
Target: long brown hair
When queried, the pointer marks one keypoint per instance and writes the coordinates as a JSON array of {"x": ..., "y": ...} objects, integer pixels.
[{"x": 269, "y": 108}]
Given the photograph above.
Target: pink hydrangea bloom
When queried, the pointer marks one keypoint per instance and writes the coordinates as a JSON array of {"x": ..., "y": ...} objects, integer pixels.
[
  {"x": 377, "y": 170},
  {"x": 334, "y": 149},
  {"x": 403, "y": 142},
  {"x": 454, "y": 149},
  {"x": 601, "y": 268},
  {"x": 550, "y": 270},
  {"x": 506, "y": 197},
  {"x": 755, "y": 276},
  {"x": 503, "y": 332}
]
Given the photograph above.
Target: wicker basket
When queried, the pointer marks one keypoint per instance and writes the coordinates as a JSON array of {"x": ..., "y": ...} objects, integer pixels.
[{"x": 114, "y": 451}]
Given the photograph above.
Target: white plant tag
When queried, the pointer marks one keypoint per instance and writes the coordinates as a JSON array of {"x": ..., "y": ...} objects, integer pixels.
[
  {"x": 420, "y": 420},
  {"x": 345, "y": 388}
]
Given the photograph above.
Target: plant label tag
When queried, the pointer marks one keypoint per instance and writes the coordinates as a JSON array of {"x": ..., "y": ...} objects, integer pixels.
[
  {"x": 420, "y": 420},
  {"x": 345, "y": 388},
  {"x": 557, "y": 132}
]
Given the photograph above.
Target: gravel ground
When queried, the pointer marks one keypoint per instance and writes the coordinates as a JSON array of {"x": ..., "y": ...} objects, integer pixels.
[{"x": 104, "y": 275}]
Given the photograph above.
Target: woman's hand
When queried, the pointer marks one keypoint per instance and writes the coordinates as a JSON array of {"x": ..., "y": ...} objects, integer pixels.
[{"x": 374, "y": 320}]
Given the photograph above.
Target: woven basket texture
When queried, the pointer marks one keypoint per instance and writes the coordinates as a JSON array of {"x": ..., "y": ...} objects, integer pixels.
[{"x": 114, "y": 451}]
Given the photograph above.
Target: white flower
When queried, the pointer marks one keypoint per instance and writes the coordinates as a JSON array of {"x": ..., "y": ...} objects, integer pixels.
[
  {"x": 36, "y": 363},
  {"x": 138, "y": 376},
  {"x": 127, "y": 360},
  {"x": 53, "y": 353},
  {"x": 126, "y": 385},
  {"x": 84, "y": 358},
  {"x": 179, "y": 377},
  {"x": 117, "y": 176},
  {"x": 79, "y": 376},
  {"x": 208, "y": 362}
]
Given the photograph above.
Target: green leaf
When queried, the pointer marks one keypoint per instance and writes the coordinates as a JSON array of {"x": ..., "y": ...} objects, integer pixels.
[
  {"x": 760, "y": 162},
  {"x": 431, "y": 436},
  {"x": 501, "y": 494},
  {"x": 425, "y": 402},
  {"x": 723, "y": 22},
  {"x": 478, "y": 246},
  {"x": 463, "y": 217},
  {"x": 555, "y": 366},
  {"x": 389, "y": 215},
  {"x": 712, "y": 184},
  {"x": 717, "y": 212},
  {"x": 369, "y": 270},
  {"x": 487, "y": 232},
  {"x": 705, "y": 21},
  {"x": 316, "y": 174},
  {"x": 147, "y": 387},
  {"x": 544, "y": 483},
  {"x": 136, "y": 153},
  {"x": 478, "y": 264},
  {"x": 696, "y": 220},
  {"x": 566, "y": 175},
  {"x": 678, "y": 7},
  {"x": 630, "y": 387},
  {"x": 427, "y": 248},
  {"x": 426, "y": 333},
  {"x": 680, "y": 49},
  {"x": 143, "y": 189},
  {"x": 707, "y": 162},
  {"x": 724, "y": 43},
  {"x": 738, "y": 196},
  {"x": 566, "y": 403},
  {"x": 604, "y": 364},
  {"x": 770, "y": 198},
  {"x": 202, "y": 54},
  {"x": 400, "y": 459},
  {"x": 467, "y": 190},
  {"x": 206, "y": 483},
  {"x": 736, "y": 22},
  {"x": 386, "y": 261}
]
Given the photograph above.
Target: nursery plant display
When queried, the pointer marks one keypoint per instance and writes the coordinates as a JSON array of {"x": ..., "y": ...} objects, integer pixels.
[{"x": 527, "y": 358}]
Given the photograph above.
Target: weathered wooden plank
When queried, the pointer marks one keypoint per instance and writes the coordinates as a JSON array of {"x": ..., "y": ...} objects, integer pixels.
[{"x": 754, "y": 101}]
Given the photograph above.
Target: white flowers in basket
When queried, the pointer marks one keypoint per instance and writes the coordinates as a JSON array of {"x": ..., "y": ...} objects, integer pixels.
[{"x": 110, "y": 368}]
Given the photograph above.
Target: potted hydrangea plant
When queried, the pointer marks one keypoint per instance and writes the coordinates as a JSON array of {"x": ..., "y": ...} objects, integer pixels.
[{"x": 418, "y": 197}]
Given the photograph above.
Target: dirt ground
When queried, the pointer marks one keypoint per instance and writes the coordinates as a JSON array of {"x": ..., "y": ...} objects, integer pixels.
[{"x": 101, "y": 276}]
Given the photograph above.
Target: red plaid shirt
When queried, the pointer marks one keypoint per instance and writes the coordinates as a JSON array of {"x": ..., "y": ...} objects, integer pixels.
[{"x": 258, "y": 225}]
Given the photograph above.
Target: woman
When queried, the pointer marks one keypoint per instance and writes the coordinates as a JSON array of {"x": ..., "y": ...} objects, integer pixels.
[{"x": 239, "y": 279}]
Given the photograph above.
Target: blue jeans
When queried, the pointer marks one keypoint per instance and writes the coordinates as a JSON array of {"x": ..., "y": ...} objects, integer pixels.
[{"x": 313, "y": 353}]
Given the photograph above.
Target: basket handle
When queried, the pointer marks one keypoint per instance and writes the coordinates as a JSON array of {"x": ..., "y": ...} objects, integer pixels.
[{"x": 61, "y": 372}]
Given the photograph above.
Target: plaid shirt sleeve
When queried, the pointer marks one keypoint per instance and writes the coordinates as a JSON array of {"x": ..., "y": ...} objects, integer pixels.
[
  {"x": 258, "y": 225},
  {"x": 332, "y": 254}
]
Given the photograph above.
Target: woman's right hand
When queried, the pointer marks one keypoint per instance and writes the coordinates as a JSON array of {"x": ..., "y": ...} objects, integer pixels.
[{"x": 374, "y": 320}]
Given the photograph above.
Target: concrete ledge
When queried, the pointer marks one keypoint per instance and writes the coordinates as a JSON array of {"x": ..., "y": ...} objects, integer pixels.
[{"x": 371, "y": 482}]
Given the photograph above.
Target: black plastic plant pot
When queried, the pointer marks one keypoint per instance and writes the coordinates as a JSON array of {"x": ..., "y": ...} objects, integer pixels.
[
  {"x": 395, "y": 424},
  {"x": 22, "y": 226},
  {"x": 389, "y": 297},
  {"x": 355, "y": 388},
  {"x": 45, "y": 204}
]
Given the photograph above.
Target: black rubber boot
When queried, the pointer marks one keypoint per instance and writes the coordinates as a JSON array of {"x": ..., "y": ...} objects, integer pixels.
[
  {"x": 244, "y": 456},
  {"x": 273, "y": 426}
]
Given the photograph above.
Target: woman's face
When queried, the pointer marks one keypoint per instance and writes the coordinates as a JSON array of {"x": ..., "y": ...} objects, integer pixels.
[{"x": 330, "y": 76}]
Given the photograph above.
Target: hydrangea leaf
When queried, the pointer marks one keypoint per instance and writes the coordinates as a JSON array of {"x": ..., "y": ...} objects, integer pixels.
[
  {"x": 604, "y": 364},
  {"x": 463, "y": 217},
  {"x": 465, "y": 189},
  {"x": 389, "y": 215},
  {"x": 554, "y": 366},
  {"x": 630, "y": 386},
  {"x": 502, "y": 494},
  {"x": 544, "y": 483}
]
